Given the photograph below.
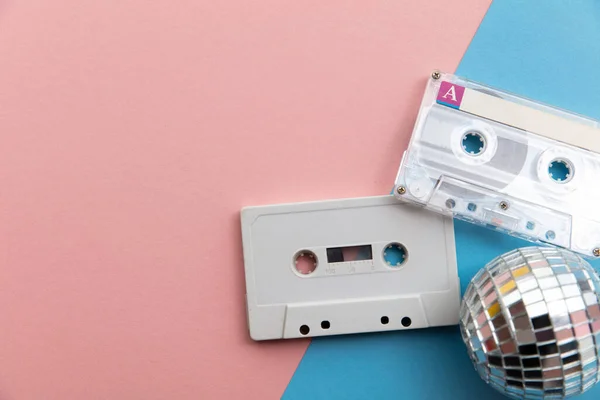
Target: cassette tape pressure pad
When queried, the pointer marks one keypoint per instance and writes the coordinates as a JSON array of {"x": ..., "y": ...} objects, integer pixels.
[
  {"x": 347, "y": 266},
  {"x": 496, "y": 159}
]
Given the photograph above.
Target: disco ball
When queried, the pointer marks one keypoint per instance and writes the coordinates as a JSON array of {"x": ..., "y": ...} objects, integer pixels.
[{"x": 531, "y": 322}]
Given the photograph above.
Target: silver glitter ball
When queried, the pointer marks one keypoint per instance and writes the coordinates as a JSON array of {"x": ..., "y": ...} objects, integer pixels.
[{"x": 531, "y": 322}]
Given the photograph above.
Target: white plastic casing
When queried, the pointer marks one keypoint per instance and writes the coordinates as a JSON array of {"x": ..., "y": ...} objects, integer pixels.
[{"x": 350, "y": 296}]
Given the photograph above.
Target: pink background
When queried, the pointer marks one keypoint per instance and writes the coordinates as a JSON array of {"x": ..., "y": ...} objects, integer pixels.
[{"x": 133, "y": 131}]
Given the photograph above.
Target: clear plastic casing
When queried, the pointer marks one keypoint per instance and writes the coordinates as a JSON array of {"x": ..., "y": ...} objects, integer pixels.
[{"x": 502, "y": 161}]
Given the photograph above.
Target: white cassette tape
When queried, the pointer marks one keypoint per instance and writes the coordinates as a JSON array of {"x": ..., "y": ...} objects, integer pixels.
[
  {"x": 347, "y": 266},
  {"x": 496, "y": 159}
]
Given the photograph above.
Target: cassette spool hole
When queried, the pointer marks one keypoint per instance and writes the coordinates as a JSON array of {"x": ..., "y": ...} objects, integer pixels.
[
  {"x": 394, "y": 255},
  {"x": 406, "y": 322},
  {"x": 560, "y": 171},
  {"x": 305, "y": 262},
  {"x": 473, "y": 143}
]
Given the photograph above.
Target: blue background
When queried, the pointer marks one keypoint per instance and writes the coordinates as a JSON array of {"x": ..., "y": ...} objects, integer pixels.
[{"x": 545, "y": 50}]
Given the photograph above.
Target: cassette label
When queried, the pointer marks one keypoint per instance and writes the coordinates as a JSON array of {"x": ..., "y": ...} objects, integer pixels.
[
  {"x": 450, "y": 95},
  {"x": 346, "y": 266},
  {"x": 497, "y": 159}
]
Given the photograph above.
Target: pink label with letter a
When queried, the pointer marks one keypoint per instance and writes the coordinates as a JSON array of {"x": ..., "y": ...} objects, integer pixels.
[{"x": 450, "y": 94}]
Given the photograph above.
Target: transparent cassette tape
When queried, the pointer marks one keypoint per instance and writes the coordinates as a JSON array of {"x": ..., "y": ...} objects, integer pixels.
[{"x": 506, "y": 162}]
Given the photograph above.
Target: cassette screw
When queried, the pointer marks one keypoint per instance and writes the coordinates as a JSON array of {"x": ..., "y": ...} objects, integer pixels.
[
  {"x": 401, "y": 190},
  {"x": 596, "y": 252},
  {"x": 504, "y": 205},
  {"x": 436, "y": 75}
]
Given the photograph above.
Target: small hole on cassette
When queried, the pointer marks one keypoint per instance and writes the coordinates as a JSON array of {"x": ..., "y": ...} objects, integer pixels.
[
  {"x": 473, "y": 143},
  {"x": 406, "y": 322},
  {"x": 394, "y": 254},
  {"x": 325, "y": 325},
  {"x": 305, "y": 262},
  {"x": 560, "y": 171},
  {"x": 450, "y": 203},
  {"x": 304, "y": 329},
  {"x": 385, "y": 320}
]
